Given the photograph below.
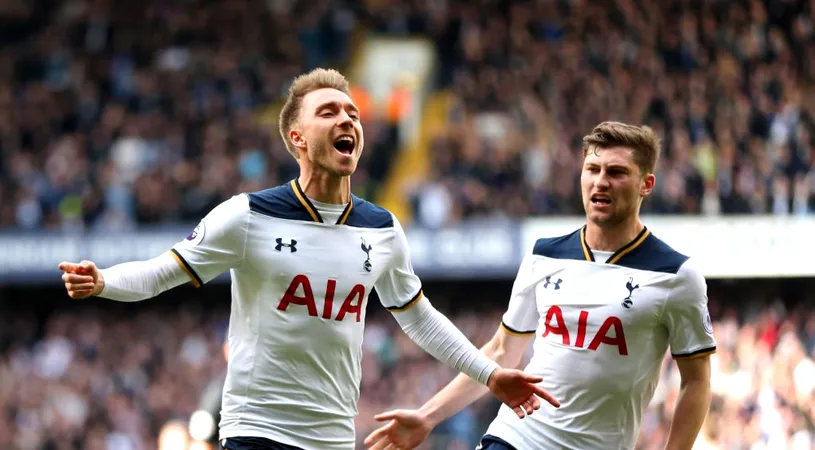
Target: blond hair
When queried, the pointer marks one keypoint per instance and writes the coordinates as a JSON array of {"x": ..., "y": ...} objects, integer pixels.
[
  {"x": 640, "y": 139},
  {"x": 302, "y": 85}
]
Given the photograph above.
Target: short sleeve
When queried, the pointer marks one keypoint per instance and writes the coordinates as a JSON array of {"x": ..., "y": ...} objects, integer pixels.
[
  {"x": 399, "y": 288},
  {"x": 522, "y": 315},
  {"x": 690, "y": 331},
  {"x": 217, "y": 244}
]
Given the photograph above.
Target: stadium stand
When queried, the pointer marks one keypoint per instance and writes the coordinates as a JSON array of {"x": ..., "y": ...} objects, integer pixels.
[
  {"x": 119, "y": 116},
  {"x": 102, "y": 376},
  {"x": 115, "y": 115},
  {"x": 727, "y": 85}
]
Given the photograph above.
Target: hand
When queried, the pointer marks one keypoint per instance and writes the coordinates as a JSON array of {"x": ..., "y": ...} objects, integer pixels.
[
  {"x": 82, "y": 280},
  {"x": 519, "y": 390},
  {"x": 405, "y": 431}
]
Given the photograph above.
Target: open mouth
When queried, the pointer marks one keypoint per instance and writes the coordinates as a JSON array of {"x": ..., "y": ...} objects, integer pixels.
[
  {"x": 600, "y": 200},
  {"x": 344, "y": 144}
]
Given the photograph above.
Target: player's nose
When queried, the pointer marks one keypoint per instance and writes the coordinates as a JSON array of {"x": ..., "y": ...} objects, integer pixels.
[
  {"x": 601, "y": 180},
  {"x": 344, "y": 119}
]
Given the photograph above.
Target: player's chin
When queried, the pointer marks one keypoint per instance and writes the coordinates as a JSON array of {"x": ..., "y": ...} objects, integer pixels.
[
  {"x": 599, "y": 217},
  {"x": 346, "y": 169}
]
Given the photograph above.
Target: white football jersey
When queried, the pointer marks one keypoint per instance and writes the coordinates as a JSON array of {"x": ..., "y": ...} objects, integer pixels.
[
  {"x": 601, "y": 332},
  {"x": 299, "y": 292}
]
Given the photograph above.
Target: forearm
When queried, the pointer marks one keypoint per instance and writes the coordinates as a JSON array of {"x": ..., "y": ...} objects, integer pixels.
[
  {"x": 463, "y": 390},
  {"x": 689, "y": 415},
  {"x": 140, "y": 280},
  {"x": 434, "y": 333}
]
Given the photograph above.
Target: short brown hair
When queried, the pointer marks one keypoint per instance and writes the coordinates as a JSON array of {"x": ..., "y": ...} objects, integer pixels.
[
  {"x": 316, "y": 79},
  {"x": 641, "y": 139}
]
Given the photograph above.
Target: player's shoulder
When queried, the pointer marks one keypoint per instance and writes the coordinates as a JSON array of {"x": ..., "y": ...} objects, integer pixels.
[
  {"x": 366, "y": 214},
  {"x": 654, "y": 255},
  {"x": 280, "y": 202},
  {"x": 567, "y": 246},
  {"x": 230, "y": 209},
  {"x": 691, "y": 275}
]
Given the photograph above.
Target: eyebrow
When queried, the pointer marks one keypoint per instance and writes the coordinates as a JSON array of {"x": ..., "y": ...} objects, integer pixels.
[
  {"x": 608, "y": 166},
  {"x": 336, "y": 105}
]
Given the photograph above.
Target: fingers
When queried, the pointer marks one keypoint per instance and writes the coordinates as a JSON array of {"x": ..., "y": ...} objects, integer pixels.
[
  {"x": 78, "y": 295},
  {"x": 88, "y": 266},
  {"x": 376, "y": 435},
  {"x": 72, "y": 278},
  {"x": 78, "y": 286},
  {"x": 527, "y": 408},
  {"x": 80, "y": 279},
  {"x": 531, "y": 378},
  {"x": 389, "y": 415},
  {"x": 84, "y": 267},
  {"x": 542, "y": 393},
  {"x": 74, "y": 287},
  {"x": 381, "y": 445},
  {"x": 534, "y": 402},
  {"x": 68, "y": 267}
]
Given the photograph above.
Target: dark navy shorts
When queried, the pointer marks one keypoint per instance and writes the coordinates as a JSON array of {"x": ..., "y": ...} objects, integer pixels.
[
  {"x": 489, "y": 442},
  {"x": 254, "y": 443}
]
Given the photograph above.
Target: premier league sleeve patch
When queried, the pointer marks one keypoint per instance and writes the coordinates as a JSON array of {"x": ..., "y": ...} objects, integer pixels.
[
  {"x": 708, "y": 324},
  {"x": 197, "y": 234}
]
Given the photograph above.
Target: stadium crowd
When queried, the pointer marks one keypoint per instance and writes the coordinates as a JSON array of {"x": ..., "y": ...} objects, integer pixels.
[
  {"x": 726, "y": 85},
  {"x": 120, "y": 114},
  {"x": 114, "y": 115},
  {"x": 109, "y": 376}
]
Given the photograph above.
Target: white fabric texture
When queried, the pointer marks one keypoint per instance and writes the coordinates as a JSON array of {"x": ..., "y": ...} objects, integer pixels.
[
  {"x": 436, "y": 335},
  {"x": 140, "y": 280}
]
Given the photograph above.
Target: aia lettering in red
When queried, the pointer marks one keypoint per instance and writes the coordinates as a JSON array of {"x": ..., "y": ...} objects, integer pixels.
[
  {"x": 351, "y": 305},
  {"x": 555, "y": 324}
]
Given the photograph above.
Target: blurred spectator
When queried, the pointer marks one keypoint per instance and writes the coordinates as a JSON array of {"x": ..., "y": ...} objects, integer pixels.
[
  {"x": 725, "y": 84},
  {"x": 115, "y": 115},
  {"x": 112, "y": 376}
]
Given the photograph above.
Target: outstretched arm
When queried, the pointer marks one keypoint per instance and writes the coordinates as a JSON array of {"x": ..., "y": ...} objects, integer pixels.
[
  {"x": 126, "y": 282},
  {"x": 408, "y": 428},
  {"x": 506, "y": 350},
  {"x": 217, "y": 244},
  {"x": 434, "y": 333}
]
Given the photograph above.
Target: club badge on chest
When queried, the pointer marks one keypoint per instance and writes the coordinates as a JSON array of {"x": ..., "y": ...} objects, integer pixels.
[{"x": 367, "y": 249}]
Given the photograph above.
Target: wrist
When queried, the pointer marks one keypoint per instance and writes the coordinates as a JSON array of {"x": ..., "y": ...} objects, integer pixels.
[
  {"x": 491, "y": 376},
  {"x": 432, "y": 414},
  {"x": 100, "y": 285}
]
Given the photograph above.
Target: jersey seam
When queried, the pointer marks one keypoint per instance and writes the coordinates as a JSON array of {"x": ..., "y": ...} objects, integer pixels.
[
  {"x": 665, "y": 302},
  {"x": 245, "y": 233},
  {"x": 665, "y": 306},
  {"x": 242, "y": 409},
  {"x": 676, "y": 282}
]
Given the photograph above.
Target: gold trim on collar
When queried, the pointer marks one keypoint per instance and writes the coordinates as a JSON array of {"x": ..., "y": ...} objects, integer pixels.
[{"x": 295, "y": 186}]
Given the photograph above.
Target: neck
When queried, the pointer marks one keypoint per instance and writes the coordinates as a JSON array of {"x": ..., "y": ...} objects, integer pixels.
[
  {"x": 326, "y": 188},
  {"x": 607, "y": 238}
]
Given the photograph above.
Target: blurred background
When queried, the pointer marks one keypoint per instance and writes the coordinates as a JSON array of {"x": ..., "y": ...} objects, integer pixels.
[{"x": 123, "y": 123}]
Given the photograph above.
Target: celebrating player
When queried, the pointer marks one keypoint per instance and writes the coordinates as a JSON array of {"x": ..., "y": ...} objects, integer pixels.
[
  {"x": 303, "y": 258},
  {"x": 603, "y": 304}
]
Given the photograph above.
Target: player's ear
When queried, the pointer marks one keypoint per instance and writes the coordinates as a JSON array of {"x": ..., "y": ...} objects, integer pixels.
[
  {"x": 648, "y": 183},
  {"x": 297, "y": 138}
]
